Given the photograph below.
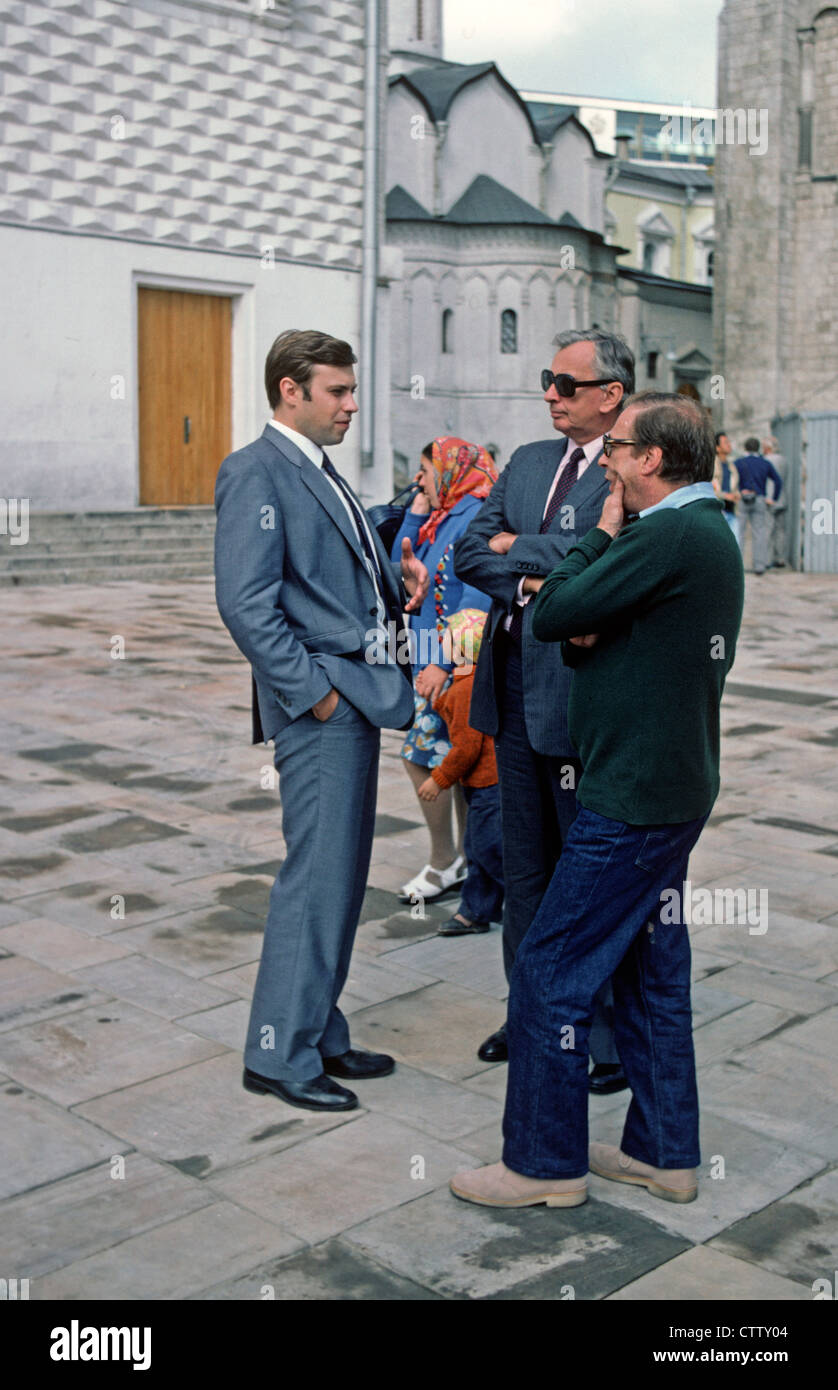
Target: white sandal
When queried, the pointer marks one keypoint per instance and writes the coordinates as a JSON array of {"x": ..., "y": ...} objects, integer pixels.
[{"x": 429, "y": 888}]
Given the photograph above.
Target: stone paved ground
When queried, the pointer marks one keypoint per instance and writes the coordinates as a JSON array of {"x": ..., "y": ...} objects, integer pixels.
[{"x": 137, "y": 847}]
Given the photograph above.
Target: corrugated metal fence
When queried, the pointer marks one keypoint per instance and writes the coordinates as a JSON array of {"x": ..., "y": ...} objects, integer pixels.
[{"x": 809, "y": 442}]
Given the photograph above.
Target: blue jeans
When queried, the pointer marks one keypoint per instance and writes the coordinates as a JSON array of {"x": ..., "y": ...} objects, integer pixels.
[
  {"x": 538, "y": 806},
  {"x": 600, "y": 917},
  {"x": 482, "y": 894}
]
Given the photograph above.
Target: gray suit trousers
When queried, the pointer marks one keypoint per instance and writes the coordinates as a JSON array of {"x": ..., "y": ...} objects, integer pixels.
[{"x": 328, "y": 777}]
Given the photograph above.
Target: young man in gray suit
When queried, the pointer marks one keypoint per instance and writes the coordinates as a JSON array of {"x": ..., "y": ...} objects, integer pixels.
[
  {"x": 548, "y": 496},
  {"x": 309, "y": 595}
]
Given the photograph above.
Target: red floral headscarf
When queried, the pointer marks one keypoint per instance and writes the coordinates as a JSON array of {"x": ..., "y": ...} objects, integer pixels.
[{"x": 461, "y": 469}]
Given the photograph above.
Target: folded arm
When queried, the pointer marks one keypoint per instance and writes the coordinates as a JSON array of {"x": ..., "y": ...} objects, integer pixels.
[{"x": 601, "y": 583}]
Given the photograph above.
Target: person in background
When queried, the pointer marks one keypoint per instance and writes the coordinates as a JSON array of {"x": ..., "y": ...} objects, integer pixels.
[
  {"x": 726, "y": 481},
  {"x": 455, "y": 478},
  {"x": 471, "y": 762},
  {"x": 778, "y": 511},
  {"x": 754, "y": 472}
]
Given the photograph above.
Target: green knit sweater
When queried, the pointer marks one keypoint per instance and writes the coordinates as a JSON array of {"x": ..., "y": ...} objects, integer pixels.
[{"x": 666, "y": 598}]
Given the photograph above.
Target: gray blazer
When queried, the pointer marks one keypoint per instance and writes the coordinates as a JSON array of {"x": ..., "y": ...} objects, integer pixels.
[
  {"x": 293, "y": 588},
  {"x": 516, "y": 503}
]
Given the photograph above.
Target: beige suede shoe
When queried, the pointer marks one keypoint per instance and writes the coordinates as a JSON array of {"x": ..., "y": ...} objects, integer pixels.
[
  {"x": 497, "y": 1186},
  {"x": 672, "y": 1184}
]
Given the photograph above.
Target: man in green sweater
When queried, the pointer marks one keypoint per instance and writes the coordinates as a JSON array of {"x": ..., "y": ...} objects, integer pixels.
[{"x": 648, "y": 605}]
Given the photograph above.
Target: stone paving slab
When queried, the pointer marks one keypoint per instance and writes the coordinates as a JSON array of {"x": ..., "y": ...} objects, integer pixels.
[
  {"x": 323, "y": 1186},
  {"x": 702, "y": 1273},
  {"x": 754, "y": 1170},
  {"x": 96, "y": 1050},
  {"x": 779, "y": 1091},
  {"x": 796, "y": 1237},
  {"x": 466, "y": 1251},
  {"x": 175, "y": 1117},
  {"x": 104, "y": 905},
  {"x": 326, "y": 1272},
  {"x": 62, "y": 947},
  {"x": 39, "y": 1141},
  {"x": 473, "y": 961},
  {"x": 437, "y": 1028},
  {"x": 173, "y": 1260},
  {"x": 30, "y": 993},
  {"x": 155, "y": 987},
  {"x": 91, "y": 1211},
  {"x": 200, "y": 942}
]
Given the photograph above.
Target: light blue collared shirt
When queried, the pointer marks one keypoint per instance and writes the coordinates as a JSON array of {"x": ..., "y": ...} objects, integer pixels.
[{"x": 682, "y": 496}]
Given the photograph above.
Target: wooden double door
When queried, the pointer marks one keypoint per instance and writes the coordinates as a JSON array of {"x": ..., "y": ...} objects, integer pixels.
[{"x": 184, "y": 357}]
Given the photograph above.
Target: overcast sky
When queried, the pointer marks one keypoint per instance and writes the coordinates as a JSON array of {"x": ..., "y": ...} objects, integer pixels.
[{"x": 640, "y": 50}]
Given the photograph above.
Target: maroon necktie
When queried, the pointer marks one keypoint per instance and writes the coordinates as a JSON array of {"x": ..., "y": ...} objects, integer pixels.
[
  {"x": 566, "y": 480},
  {"x": 562, "y": 488}
]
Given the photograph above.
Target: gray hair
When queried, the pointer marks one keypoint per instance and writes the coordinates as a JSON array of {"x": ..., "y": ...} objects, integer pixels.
[{"x": 613, "y": 357}]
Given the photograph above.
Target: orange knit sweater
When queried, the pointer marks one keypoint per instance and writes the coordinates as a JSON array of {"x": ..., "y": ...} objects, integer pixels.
[{"x": 472, "y": 756}]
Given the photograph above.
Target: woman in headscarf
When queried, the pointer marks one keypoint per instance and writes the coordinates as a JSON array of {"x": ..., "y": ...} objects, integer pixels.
[{"x": 455, "y": 478}]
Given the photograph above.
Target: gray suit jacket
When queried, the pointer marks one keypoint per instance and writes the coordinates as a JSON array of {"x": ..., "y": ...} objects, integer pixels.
[
  {"x": 294, "y": 590},
  {"x": 516, "y": 503}
]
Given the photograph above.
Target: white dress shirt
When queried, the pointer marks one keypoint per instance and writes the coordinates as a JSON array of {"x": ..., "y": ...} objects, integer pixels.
[
  {"x": 592, "y": 448},
  {"x": 313, "y": 452}
]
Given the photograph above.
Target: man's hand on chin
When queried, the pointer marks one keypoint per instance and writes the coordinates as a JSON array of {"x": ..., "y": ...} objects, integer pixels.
[
  {"x": 613, "y": 514},
  {"x": 415, "y": 578}
]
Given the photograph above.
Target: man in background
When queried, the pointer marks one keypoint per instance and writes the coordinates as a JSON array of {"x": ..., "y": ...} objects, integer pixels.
[
  {"x": 779, "y": 510},
  {"x": 754, "y": 473}
]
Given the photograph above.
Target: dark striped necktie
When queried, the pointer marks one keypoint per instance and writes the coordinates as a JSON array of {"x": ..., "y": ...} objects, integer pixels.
[
  {"x": 329, "y": 468},
  {"x": 566, "y": 480}
]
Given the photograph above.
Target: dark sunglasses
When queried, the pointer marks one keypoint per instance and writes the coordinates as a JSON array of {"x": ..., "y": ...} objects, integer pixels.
[
  {"x": 609, "y": 443},
  {"x": 565, "y": 384}
]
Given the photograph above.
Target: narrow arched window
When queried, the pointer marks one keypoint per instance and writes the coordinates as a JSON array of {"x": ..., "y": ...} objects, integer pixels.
[
  {"x": 709, "y": 267},
  {"x": 509, "y": 331},
  {"x": 447, "y": 330}
]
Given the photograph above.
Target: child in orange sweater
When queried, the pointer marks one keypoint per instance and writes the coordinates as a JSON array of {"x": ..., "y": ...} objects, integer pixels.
[{"x": 471, "y": 762}]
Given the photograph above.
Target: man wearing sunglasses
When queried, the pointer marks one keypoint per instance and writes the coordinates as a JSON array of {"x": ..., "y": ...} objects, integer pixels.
[{"x": 548, "y": 496}]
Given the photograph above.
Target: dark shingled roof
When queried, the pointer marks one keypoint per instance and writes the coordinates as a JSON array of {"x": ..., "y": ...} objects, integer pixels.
[
  {"x": 568, "y": 220},
  {"x": 438, "y": 86},
  {"x": 486, "y": 201},
  {"x": 401, "y": 206},
  {"x": 680, "y": 175},
  {"x": 548, "y": 116}
]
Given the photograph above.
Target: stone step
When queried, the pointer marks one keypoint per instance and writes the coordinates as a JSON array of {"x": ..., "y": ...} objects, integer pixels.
[
  {"x": 63, "y": 547},
  {"x": 95, "y": 547},
  {"x": 106, "y": 574},
  {"x": 121, "y": 557},
  {"x": 115, "y": 531},
  {"x": 162, "y": 516}
]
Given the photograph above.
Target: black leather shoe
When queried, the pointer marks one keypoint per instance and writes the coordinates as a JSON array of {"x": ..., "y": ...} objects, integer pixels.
[
  {"x": 605, "y": 1078},
  {"x": 321, "y": 1093},
  {"x": 455, "y": 927},
  {"x": 357, "y": 1065},
  {"x": 494, "y": 1049}
]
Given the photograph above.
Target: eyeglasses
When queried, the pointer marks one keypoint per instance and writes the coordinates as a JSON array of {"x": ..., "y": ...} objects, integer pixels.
[
  {"x": 565, "y": 384},
  {"x": 609, "y": 444}
]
